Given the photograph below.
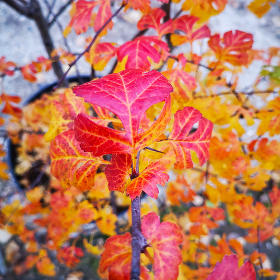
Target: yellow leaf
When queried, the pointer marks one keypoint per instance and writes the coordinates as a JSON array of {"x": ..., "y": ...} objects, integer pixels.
[
  {"x": 107, "y": 221},
  {"x": 44, "y": 264},
  {"x": 121, "y": 65},
  {"x": 66, "y": 31},
  {"x": 260, "y": 7},
  {"x": 3, "y": 174},
  {"x": 92, "y": 249}
]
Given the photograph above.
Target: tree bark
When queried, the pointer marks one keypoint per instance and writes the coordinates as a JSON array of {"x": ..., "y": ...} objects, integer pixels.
[
  {"x": 42, "y": 25},
  {"x": 136, "y": 246},
  {"x": 138, "y": 242},
  {"x": 33, "y": 11}
]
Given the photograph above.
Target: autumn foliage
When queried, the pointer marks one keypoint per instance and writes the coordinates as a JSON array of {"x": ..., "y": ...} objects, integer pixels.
[{"x": 163, "y": 167}]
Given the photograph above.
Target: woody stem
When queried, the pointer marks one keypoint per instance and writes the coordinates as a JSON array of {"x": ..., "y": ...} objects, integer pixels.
[{"x": 138, "y": 242}]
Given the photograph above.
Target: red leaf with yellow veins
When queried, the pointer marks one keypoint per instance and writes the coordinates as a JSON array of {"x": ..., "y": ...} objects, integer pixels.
[
  {"x": 234, "y": 47},
  {"x": 82, "y": 15},
  {"x": 117, "y": 173},
  {"x": 70, "y": 164},
  {"x": 147, "y": 181},
  {"x": 154, "y": 20},
  {"x": 186, "y": 24},
  {"x": 165, "y": 239},
  {"x": 140, "y": 49},
  {"x": 115, "y": 261},
  {"x": 101, "y": 54},
  {"x": 228, "y": 269},
  {"x": 127, "y": 94},
  {"x": 103, "y": 14},
  {"x": 63, "y": 112},
  {"x": 183, "y": 140},
  {"x": 157, "y": 128},
  {"x": 99, "y": 140},
  {"x": 116, "y": 258}
]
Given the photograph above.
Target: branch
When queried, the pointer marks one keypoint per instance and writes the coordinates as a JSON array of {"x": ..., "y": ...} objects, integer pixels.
[
  {"x": 138, "y": 242},
  {"x": 232, "y": 92},
  {"x": 60, "y": 11},
  {"x": 192, "y": 62},
  {"x": 18, "y": 7},
  {"x": 89, "y": 46}
]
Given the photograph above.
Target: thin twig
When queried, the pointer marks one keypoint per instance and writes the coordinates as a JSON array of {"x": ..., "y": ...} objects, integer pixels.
[
  {"x": 259, "y": 250},
  {"x": 153, "y": 150},
  {"x": 60, "y": 11},
  {"x": 89, "y": 46},
  {"x": 250, "y": 93}
]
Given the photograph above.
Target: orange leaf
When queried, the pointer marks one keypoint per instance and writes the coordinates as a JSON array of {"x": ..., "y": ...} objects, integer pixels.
[
  {"x": 234, "y": 47},
  {"x": 3, "y": 174},
  {"x": 70, "y": 255},
  {"x": 70, "y": 164},
  {"x": 179, "y": 191},
  {"x": 204, "y": 9},
  {"x": 44, "y": 265},
  {"x": 260, "y": 7},
  {"x": 9, "y": 108},
  {"x": 7, "y": 67}
]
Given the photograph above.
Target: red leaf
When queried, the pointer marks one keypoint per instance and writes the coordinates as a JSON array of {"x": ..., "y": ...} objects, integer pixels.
[
  {"x": 117, "y": 173},
  {"x": 149, "y": 178},
  {"x": 82, "y": 15},
  {"x": 118, "y": 176},
  {"x": 115, "y": 261},
  {"x": 101, "y": 54},
  {"x": 183, "y": 141},
  {"x": 165, "y": 239},
  {"x": 140, "y": 49},
  {"x": 233, "y": 48},
  {"x": 103, "y": 14},
  {"x": 99, "y": 140},
  {"x": 156, "y": 129},
  {"x": 127, "y": 94},
  {"x": 153, "y": 20},
  {"x": 116, "y": 257},
  {"x": 228, "y": 269},
  {"x": 186, "y": 24}
]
